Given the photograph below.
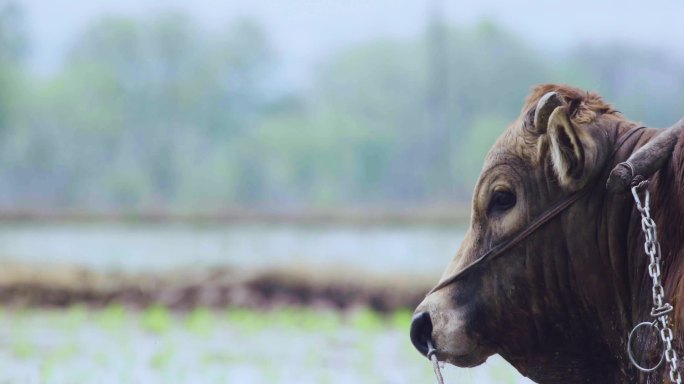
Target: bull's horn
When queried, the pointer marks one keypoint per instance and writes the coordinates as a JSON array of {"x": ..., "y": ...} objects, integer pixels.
[
  {"x": 646, "y": 160},
  {"x": 545, "y": 106}
]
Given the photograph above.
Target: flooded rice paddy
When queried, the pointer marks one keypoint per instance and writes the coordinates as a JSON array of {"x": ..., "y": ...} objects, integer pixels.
[
  {"x": 114, "y": 344},
  {"x": 419, "y": 249}
]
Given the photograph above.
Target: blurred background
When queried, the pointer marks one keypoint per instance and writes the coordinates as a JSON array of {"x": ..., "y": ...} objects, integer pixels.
[{"x": 261, "y": 191}]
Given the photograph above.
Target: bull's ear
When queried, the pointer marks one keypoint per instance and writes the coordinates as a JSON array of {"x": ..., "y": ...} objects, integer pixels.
[
  {"x": 545, "y": 106},
  {"x": 571, "y": 147}
]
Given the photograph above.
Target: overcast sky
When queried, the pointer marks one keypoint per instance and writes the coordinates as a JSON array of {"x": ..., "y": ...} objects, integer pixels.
[{"x": 305, "y": 31}]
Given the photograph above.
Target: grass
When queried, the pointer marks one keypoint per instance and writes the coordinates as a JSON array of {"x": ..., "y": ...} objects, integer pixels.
[
  {"x": 157, "y": 345},
  {"x": 23, "y": 349},
  {"x": 401, "y": 319},
  {"x": 247, "y": 320},
  {"x": 201, "y": 322},
  {"x": 367, "y": 320},
  {"x": 156, "y": 319},
  {"x": 162, "y": 357},
  {"x": 76, "y": 315},
  {"x": 112, "y": 317}
]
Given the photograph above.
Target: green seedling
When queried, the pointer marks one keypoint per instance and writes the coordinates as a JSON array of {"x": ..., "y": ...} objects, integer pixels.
[
  {"x": 247, "y": 320},
  {"x": 201, "y": 322},
  {"x": 23, "y": 349},
  {"x": 112, "y": 317},
  {"x": 76, "y": 316},
  {"x": 366, "y": 320},
  {"x": 161, "y": 359},
  {"x": 401, "y": 319},
  {"x": 156, "y": 319}
]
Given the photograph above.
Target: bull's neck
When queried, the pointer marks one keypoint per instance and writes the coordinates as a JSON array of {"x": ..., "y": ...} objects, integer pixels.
[
  {"x": 623, "y": 249},
  {"x": 600, "y": 253}
]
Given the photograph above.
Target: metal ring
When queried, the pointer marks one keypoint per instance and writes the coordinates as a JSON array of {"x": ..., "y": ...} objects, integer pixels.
[{"x": 629, "y": 348}]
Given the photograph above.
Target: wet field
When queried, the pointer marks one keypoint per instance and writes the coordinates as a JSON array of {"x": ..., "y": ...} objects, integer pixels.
[
  {"x": 117, "y": 344},
  {"x": 385, "y": 249},
  {"x": 233, "y": 346}
]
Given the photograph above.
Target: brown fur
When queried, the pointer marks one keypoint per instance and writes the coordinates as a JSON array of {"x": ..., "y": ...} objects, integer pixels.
[
  {"x": 667, "y": 206},
  {"x": 584, "y": 106},
  {"x": 560, "y": 305}
]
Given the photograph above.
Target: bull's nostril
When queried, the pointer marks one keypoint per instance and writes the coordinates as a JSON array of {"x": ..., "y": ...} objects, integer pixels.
[{"x": 421, "y": 331}]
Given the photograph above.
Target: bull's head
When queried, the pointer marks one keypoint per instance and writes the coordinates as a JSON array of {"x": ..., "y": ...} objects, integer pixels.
[{"x": 531, "y": 305}]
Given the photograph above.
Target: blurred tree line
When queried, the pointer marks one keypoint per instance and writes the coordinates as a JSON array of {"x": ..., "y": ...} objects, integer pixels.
[{"x": 161, "y": 113}]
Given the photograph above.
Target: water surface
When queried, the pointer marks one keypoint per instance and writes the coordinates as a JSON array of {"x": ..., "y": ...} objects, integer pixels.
[
  {"x": 419, "y": 249},
  {"x": 155, "y": 346}
]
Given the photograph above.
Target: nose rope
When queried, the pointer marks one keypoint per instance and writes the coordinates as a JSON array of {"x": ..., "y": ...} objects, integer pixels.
[
  {"x": 503, "y": 247},
  {"x": 432, "y": 354}
]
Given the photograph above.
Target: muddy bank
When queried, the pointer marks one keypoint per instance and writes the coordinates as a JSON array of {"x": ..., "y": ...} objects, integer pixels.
[
  {"x": 30, "y": 286},
  {"x": 436, "y": 214}
]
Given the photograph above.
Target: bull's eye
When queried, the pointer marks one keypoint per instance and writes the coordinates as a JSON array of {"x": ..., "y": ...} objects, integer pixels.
[{"x": 501, "y": 201}]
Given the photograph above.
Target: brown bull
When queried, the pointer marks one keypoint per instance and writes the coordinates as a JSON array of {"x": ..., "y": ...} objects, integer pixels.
[{"x": 559, "y": 304}]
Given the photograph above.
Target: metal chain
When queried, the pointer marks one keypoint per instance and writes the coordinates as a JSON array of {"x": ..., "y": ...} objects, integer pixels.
[{"x": 661, "y": 308}]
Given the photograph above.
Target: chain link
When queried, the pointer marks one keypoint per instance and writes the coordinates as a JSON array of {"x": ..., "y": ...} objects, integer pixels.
[{"x": 661, "y": 308}]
